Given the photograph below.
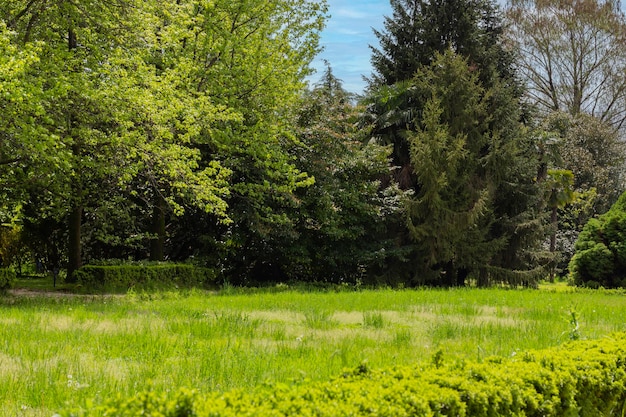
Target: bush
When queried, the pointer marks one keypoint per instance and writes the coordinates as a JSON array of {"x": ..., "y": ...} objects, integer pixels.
[
  {"x": 144, "y": 276},
  {"x": 7, "y": 278},
  {"x": 582, "y": 378},
  {"x": 600, "y": 258}
]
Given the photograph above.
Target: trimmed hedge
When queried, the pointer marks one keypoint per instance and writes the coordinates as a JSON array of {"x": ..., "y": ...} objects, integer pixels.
[
  {"x": 144, "y": 276},
  {"x": 7, "y": 278},
  {"x": 582, "y": 378}
]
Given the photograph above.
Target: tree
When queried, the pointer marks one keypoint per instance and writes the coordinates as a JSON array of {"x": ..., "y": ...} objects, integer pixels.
[
  {"x": 107, "y": 108},
  {"x": 466, "y": 151},
  {"x": 591, "y": 150},
  {"x": 341, "y": 218},
  {"x": 504, "y": 193},
  {"x": 600, "y": 258},
  {"x": 572, "y": 55},
  {"x": 419, "y": 28},
  {"x": 559, "y": 185},
  {"x": 247, "y": 61},
  {"x": 77, "y": 114},
  {"x": 414, "y": 34}
]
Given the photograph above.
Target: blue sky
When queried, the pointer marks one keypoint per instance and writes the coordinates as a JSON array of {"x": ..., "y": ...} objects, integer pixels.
[{"x": 346, "y": 38}]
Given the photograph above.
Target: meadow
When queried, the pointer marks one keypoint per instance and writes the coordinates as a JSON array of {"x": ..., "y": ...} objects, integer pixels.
[{"x": 66, "y": 350}]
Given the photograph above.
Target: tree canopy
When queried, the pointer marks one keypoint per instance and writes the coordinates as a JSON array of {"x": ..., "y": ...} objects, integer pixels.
[
  {"x": 185, "y": 130},
  {"x": 572, "y": 55}
]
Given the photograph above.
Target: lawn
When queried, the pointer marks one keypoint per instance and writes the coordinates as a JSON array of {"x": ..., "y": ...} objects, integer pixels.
[{"x": 62, "y": 349}]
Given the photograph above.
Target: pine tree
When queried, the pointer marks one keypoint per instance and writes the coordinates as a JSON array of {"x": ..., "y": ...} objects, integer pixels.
[
  {"x": 420, "y": 28},
  {"x": 463, "y": 159},
  {"x": 484, "y": 218},
  {"x": 417, "y": 31}
]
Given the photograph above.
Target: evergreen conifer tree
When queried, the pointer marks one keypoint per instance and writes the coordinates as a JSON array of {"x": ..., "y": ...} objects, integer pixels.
[{"x": 470, "y": 163}]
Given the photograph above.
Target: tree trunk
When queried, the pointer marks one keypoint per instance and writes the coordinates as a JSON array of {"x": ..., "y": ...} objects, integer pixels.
[
  {"x": 555, "y": 225},
  {"x": 157, "y": 242},
  {"x": 74, "y": 246},
  {"x": 554, "y": 221},
  {"x": 76, "y": 211}
]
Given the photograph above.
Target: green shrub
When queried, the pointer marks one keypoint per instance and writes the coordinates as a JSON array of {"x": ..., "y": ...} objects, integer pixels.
[
  {"x": 7, "y": 278},
  {"x": 144, "y": 276},
  {"x": 582, "y": 378},
  {"x": 600, "y": 258}
]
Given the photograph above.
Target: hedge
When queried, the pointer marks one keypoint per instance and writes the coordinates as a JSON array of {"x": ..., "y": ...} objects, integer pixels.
[
  {"x": 7, "y": 278},
  {"x": 144, "y": 276},
  {"x": 582, "y": 378}
]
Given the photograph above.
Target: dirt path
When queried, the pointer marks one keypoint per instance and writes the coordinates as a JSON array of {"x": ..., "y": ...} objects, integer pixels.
[{"x": 23, "y": 292}]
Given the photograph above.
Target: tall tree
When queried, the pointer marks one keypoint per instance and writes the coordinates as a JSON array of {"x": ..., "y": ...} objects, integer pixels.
[
  {"x": 342, "y": 216},
  {"x": 247, "y": 60},
  {"x": 572, "y": 55},
  {"x": 402, "y": 111},
  {"x": 468, "y": 151},
  {"x": 107, "y": 106},
  {"x": 592, "y": 151},
  {"x": 419, "y": 28}
]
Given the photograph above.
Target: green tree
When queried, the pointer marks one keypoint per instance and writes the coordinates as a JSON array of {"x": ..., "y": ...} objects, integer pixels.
[
  {"x": 398, "y": 105},
  {"x": 413, "y": 35},
  {"x": 341, "y": 218},
  {"x": 559, "y": 185},
  {"x": 464, "y": 155},
  {"x": 600, "y": 258},
  {"x": 106, "y": 107},
  {"x": 560, "y": 189},
  {"x": 572, "y": 55},
  {"x": 419, "y": 28},
  {"x": 592, "y": 151},
  {"x": 246, "y": 60}
]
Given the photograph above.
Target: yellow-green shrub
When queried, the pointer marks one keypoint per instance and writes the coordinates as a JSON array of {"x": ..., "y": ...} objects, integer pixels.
[{"x": 582, "y": 378}]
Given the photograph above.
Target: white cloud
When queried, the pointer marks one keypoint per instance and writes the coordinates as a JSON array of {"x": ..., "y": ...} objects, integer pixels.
[{"x": 350, "y": 14}]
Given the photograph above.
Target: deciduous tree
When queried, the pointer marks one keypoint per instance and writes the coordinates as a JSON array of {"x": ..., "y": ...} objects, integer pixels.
[
  {"x": 572, "y": 55},
  {"x": 106, "y": 106},
  {"x": 341, "y": 218}
]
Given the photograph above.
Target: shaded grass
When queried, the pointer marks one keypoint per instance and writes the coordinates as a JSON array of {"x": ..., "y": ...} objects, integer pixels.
[{"x": 55, "y": 350}]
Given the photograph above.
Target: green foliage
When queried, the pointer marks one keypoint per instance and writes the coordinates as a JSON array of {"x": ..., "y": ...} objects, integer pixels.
[
  {"x": 592, "y": 150},
  {"x": 11, "y": 247},
  {"x": 339, "y": 218},
  {"x": 7, "y": 279},
  {"x": 600, "y": 258},
  {"x": 142, "y": 110},
  {"x": 458, "y": 144},
  {"x": 144, "y": 276},
  {"x": 420, "y": 28},
  {"x": 467, "y": 155},
  {"x": 448, "y": 212},
  {"x": 579, "y": 378}
]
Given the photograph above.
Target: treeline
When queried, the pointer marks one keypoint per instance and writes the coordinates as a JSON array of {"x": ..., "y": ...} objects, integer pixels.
[{"x": 184, "y": 131}]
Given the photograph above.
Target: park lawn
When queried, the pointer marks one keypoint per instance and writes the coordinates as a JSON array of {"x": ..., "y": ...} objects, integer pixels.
[{"x": 58, "y": 350}]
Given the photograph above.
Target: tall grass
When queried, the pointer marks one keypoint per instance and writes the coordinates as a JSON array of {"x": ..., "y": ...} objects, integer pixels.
[{"x": 62, "y": 350}]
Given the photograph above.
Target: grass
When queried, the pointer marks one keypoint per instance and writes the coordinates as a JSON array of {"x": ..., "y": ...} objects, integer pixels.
[{"x": 64, "y": 350}]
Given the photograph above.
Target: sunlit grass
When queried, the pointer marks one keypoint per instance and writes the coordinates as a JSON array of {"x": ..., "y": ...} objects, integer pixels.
[
  {"x": 373, "y": 319},
  {"x": 58, "y": 350}
]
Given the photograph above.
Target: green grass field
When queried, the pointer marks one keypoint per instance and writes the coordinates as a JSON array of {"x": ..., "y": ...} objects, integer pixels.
[{"x": 62, "y": 349}]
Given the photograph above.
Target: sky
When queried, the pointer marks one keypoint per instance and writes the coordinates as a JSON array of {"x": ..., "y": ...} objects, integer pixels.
[{"x": 346, "y": 40}]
